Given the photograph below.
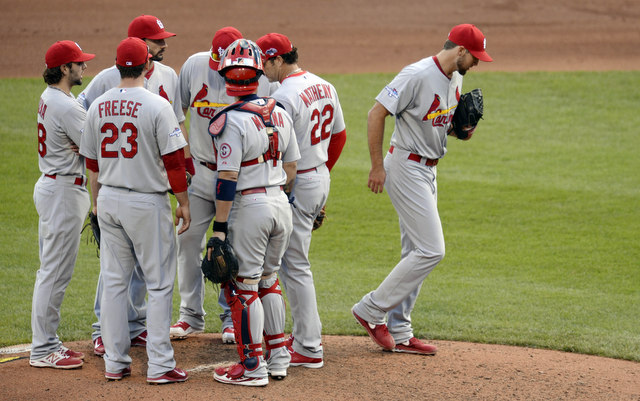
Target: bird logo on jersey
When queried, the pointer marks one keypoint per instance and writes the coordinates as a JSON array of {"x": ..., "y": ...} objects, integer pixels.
[
  {"x": 203, "y": 107},
  {"x": 438, "y": 117},
  {"x": 163, "y": 93}
]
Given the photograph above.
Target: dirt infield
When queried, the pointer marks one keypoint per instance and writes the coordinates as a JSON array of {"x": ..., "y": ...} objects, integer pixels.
[
  {"x": 355, "y": 369},
  {"x": 348, "y": 36}
]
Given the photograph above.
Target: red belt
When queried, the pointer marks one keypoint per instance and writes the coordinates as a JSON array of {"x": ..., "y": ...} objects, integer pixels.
[
  {"x": 307, "y": 170},
  {"x": 78, "y": 181},
  {"x": 417, "y": 158},
  {"x": 210, "y": 166},
  {"x": 257, "y": 190}
]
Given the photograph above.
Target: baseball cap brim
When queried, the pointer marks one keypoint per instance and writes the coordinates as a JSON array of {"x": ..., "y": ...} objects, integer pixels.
[
  {"x": 161, "y": 35},
  {"x": 481, "y": 55},
  {"x": 83, "y": 57}
]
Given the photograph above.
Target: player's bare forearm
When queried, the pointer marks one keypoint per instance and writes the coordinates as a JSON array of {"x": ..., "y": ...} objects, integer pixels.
[
  {"x": 223, "y": 207},
  {"x": 375, "y": 136},
  {"x": 182, "y": 211},
  {"x": 183, "y": 128},
  {"x": 94, "y": 185},
  {"x": 291, "y": 169}
]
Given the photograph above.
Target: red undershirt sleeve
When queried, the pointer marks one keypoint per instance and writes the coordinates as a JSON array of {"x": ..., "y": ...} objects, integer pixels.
[
  {"x": 92, "y": 164},
  {"x": 174, "y": 164},
  {"x": 335, "y": 147}
]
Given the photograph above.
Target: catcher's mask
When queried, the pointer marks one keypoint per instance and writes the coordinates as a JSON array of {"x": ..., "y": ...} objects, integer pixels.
[{"x": 241, "y": 67}]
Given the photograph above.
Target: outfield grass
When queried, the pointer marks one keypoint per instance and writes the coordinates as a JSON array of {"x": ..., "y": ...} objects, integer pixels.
[{"x": 540, "y": 213}]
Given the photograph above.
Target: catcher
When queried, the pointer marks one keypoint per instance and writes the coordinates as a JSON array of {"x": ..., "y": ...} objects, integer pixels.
[{"x": 256, "y": 156}]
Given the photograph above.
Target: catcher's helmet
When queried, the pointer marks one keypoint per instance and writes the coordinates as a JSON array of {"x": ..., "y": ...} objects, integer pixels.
[{"x": 241, "y": 67}]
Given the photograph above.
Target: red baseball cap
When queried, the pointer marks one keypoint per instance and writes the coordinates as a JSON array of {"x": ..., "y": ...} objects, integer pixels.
[
  {"x": 470, "y": 37},
  {"x": 221, "y": 40},
  {"x": 148, "y": 27},
  {"x": 274, "y": 45},
  {"x": 65, "y": 51},
  {"x": 132, "y": 52}
]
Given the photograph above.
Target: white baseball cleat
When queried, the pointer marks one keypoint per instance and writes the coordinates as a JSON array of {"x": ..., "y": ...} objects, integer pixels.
[
  {"x": 56, "y": 360},
  {"x": 229, "y": 335},
  {"x": 234, "y": 374},
  {"x": 181, "y": 330}
]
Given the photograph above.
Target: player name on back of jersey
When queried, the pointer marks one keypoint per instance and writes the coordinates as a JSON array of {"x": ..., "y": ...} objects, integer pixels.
[
  {"x": 314, "y": 93},
  {"x": 42, "y": 108},
  {"x": 110, "y": 108},
  {"x": 276, "y": 119}
]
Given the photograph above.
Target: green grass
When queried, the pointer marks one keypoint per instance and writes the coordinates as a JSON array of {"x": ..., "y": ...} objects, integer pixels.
[{"x": 540, "y": 213}]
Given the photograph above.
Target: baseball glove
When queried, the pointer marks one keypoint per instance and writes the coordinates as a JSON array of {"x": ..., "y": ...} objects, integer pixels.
[
  {"x": 468, "y": 113},
  {"x": 223, "y": 265},
  {"x": 95, "y": 229},
  {"x": 317, "y": 223}
]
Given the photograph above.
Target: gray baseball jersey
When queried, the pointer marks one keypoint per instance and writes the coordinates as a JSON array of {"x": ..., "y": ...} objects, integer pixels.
[
  {"x": 315, "y": 110},
  {"x": 136, "y": 128},
  {"x": 62, "y": 202},
  {"x": 60, "y": 121},
  {"x": 423, "y": 99}
]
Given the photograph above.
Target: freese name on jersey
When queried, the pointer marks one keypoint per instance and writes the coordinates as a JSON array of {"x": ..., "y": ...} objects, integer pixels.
[{"x": 112, "y": 108}]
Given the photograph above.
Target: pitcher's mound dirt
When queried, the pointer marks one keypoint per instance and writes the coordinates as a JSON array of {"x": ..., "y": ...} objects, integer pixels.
[{"x": 355, "y": 369}]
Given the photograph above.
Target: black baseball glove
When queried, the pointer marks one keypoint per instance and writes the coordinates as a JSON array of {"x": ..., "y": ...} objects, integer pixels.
[
  {"x": 317, "y": 223},
  {"x": 468, "y": 113},
  {"x": 223, "y": 265},
  {"x": 95, "y": 229}
]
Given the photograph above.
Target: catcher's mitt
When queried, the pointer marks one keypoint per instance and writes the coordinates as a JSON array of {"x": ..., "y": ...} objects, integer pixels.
[
  {"x": 95, "y": 229},
  {"x": 468, "y": 113},
  {"x": 223, "y": 265},
  {"x": 317, "y": 223}
]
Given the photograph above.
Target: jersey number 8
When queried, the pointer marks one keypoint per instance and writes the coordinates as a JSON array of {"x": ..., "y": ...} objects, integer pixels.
[{"x": 42, "y": 136}]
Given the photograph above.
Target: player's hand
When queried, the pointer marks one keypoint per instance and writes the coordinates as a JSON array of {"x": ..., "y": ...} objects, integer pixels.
[
  {"x": 75, "y": 148},
  {"x": 377, "y": 175},
  {"x": 217, "y": 234},
  {"x": 183, "y": 213}
]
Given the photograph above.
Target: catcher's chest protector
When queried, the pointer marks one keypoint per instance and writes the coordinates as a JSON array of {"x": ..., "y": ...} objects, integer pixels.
[{"x": 263, "y": 112}]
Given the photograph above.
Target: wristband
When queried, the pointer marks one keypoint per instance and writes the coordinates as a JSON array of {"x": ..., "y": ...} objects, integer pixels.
[
  {"x": 220, "y": 227},
  {"x": 225, "y": 190}
]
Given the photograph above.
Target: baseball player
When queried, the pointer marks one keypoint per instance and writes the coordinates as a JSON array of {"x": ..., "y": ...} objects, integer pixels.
[
  {"x": 134, "y": 150},
  {"x": 320, "y": 131},
  {"x": 423, "y": 98},
  {"x": 203, "y": 93},
  {"x": 161, "y": 80},
  {"x": 256, "y": 159},
  {"x": 61, "y": 200}
]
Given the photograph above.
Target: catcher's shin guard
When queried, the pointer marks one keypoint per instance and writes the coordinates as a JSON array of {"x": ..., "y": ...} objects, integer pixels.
[
  {"x": 277, "y": 354},
  {"x": 274, "y": 310},
  {"x": 248, "y": 321}
]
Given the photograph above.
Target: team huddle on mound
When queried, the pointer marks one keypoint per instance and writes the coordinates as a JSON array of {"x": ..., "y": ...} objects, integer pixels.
[{"x": 263, "y": 137}]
